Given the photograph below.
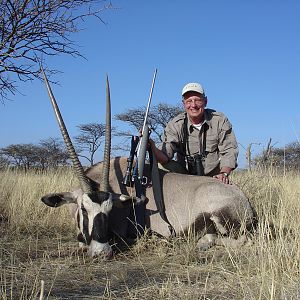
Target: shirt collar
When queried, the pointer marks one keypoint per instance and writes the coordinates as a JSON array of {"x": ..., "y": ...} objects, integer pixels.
[{"x": 190, "y": 126}]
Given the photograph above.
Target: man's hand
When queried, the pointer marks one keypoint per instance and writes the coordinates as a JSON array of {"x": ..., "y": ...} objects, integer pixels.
[
  {"x": 224, "y": 177},
  {"x": 160, "y": 155}
]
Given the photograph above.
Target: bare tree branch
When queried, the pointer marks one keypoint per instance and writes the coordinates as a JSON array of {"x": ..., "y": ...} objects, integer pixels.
[
  {"x": 31, "y": 30},
  {"x": 89, "y": 140}
]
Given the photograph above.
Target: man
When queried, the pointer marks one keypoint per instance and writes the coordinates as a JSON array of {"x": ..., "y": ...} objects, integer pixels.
[{"x": 200, "y": 139}]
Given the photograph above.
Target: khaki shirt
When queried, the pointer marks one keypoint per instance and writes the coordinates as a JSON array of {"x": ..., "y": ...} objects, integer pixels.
[{"x": 221, "y": 147}]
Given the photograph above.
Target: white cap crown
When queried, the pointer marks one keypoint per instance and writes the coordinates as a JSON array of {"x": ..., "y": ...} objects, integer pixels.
[{"x": 193, "y": 87}]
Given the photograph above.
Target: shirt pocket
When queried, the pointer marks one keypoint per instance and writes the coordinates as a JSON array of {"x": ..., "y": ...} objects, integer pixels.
[{"x": 211, "y": 143}]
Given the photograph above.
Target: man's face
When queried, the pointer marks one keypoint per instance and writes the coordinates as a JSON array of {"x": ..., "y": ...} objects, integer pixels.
[{"x": 194, "y": 104}]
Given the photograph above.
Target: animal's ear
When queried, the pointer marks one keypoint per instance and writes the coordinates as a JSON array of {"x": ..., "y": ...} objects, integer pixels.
[
  {"x": 58, "y": 199},
  {"x": 124, "y": 201}
]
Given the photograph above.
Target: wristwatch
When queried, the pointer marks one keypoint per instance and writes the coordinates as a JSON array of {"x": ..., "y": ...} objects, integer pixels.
[{"x": 225, "y": 174}]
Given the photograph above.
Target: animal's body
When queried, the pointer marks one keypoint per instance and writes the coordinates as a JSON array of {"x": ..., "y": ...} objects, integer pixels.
[
  {"x": 193, "y": 204},
  {"x": 190, "y": 201}
]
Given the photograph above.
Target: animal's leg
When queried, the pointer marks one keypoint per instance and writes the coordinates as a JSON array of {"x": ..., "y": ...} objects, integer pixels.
[
  {"x": 227, "y": 229},
  {"x": 232, "y": 242},
  {"x": 221, "y": 223},
  {"x": 213, "y": 225},
  {"x": 207, "y": 241}
]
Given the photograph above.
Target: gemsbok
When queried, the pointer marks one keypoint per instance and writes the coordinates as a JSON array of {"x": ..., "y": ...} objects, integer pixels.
[{"x": 203, "y": 205}]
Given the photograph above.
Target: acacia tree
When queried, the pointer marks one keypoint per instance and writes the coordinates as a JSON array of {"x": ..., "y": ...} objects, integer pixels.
[
  {"x": 52, "y": 153},
  {"x": 49, "y": 153},
  {"x": 21, "y": 155},
  {"x": 4, "y": 162},
  {"x": 89, "y": 140},
  {"x": 159, "y": 116},
  {"x": 31, "y": 30}
]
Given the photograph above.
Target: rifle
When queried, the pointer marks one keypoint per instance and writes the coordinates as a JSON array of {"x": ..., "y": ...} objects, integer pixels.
[
  {"x": 138, "y": 225},
  {"x": 137, "y": 177},
  {"x": 141, "y": 144}
]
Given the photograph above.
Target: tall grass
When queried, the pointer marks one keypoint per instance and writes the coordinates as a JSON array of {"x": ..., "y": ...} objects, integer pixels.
[
  {"x": 38, "y": 243},
  {"x": 20, "y": 205}
]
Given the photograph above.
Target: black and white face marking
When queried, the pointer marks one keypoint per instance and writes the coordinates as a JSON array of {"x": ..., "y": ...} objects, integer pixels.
[
  {"x": 92, "y": 220},
  {"x": 83, "y": 235}
]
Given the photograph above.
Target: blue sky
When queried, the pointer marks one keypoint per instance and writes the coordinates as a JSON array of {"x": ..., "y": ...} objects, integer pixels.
[{"x": 245, "y": 53}]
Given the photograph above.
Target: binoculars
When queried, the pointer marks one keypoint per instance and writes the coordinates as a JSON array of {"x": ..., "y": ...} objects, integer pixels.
[{"x": 195, "y": 164}]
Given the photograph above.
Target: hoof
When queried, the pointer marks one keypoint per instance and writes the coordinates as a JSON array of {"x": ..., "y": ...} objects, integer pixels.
[{"x": 206, "y": 242}]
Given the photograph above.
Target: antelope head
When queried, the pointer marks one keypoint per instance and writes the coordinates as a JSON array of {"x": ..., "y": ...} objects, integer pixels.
[{"x": 93, "y": 202}]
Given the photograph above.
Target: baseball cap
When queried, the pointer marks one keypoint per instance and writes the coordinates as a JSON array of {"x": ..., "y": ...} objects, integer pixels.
[{"x": 193, "y": 87}]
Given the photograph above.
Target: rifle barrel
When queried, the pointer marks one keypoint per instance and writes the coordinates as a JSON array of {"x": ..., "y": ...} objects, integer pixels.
[
  {"x": 147, "y": 110},
  {"x": 149, "y": 100}
]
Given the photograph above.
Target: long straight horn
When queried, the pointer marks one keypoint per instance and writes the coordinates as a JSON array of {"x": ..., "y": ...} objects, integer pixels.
[
  {"x": 107, "y": 147},
  {"x": 83, "y": 180}
]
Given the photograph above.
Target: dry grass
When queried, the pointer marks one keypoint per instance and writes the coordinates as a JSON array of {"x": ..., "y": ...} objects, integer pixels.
[{"x": 38, "y": 246}]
